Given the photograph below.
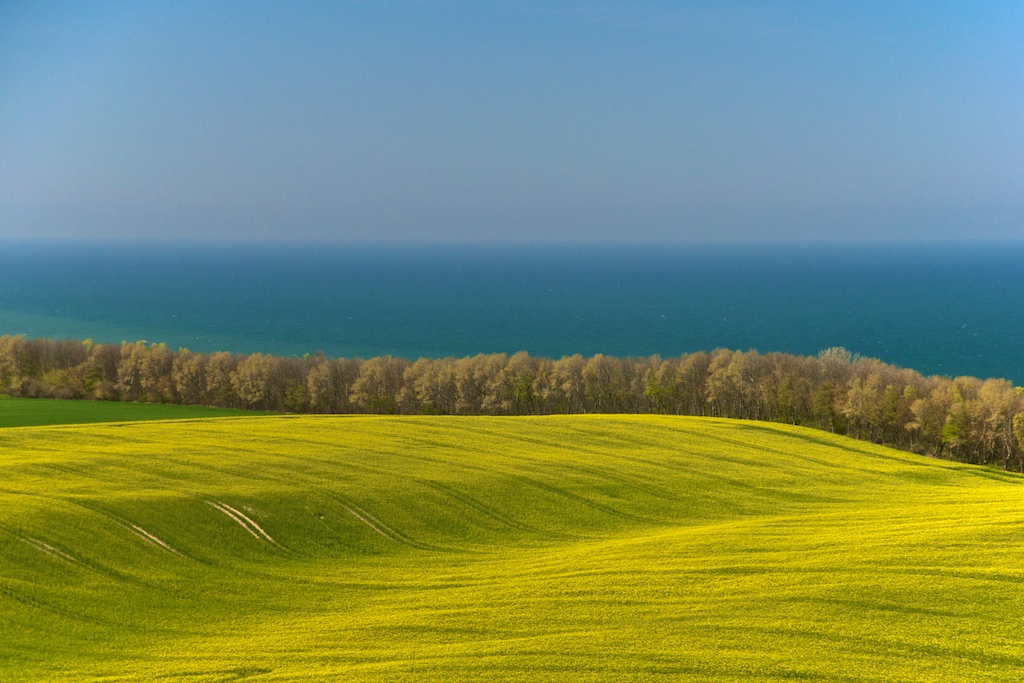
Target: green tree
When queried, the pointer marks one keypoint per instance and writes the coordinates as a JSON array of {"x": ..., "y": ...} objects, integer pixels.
[
  {"x": 10, "y": 365},
  {"x": 143, "y": 373},
  {"x": 219, "y": 388},
  {"x": 929, "y": 420},
  {"x": 188, "y": 374},
  {"x": 251, "y": 380},
  {"x": 513, "y": 386},
  {"x": 379, "y": 385}
]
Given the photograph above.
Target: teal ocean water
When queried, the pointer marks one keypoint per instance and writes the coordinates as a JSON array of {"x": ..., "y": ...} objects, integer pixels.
[{"x": 940, "y": 309}]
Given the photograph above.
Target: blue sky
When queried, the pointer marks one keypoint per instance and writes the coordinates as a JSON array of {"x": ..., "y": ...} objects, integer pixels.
[{"x": 525, "y": 120}]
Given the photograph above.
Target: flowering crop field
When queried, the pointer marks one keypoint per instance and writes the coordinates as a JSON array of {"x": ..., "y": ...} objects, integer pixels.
[{"x": 568, "y": 548}]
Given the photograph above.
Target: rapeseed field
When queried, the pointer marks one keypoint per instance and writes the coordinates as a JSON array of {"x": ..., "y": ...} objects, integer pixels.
[{"x": 563, "y": 548}]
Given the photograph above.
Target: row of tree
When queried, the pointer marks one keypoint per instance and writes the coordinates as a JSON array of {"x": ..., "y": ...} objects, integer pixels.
[{"x": 964, "y": 418}]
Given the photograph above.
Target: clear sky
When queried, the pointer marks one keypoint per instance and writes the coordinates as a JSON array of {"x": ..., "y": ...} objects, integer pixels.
[{"x": 512, "y": 119}]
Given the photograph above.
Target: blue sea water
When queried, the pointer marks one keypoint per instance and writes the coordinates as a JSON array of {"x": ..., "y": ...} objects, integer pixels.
[{"x": 941, "y": 309}]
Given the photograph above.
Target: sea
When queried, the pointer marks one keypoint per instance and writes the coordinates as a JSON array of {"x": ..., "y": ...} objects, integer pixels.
[{"x": 939, "y": 308}]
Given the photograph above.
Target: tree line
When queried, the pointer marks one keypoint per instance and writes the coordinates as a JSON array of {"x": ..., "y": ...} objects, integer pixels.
[{"x": 964, "y": 418}]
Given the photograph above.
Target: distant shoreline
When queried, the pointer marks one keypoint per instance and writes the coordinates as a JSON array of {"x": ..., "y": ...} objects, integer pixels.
[{"x": 942, "y": 308}]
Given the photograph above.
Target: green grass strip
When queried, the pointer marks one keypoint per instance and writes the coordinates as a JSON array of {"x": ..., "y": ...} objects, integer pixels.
[{"x": 31, "y": 412}]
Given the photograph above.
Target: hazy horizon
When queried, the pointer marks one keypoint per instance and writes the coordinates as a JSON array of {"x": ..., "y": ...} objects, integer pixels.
[{"x": 537, "y": 121}]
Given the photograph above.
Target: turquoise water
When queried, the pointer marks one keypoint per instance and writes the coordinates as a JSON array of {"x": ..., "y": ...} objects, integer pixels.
[{"x": 951, "y": 310}]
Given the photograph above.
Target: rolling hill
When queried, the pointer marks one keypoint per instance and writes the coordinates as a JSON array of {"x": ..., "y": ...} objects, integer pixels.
[{"x": 583, "y": 548}]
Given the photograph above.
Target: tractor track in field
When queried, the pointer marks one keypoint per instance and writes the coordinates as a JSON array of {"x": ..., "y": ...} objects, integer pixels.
[
  {"x": 86, "y": 563},
  {"x": 133, "y": 528},
  {"x": 240, "y": 518},
  {"x": 150, "y": 538},
  {"x": 363, "y": 518},
  {"x": 48, "y": 549},
  {"x": 374, "y": 523}
]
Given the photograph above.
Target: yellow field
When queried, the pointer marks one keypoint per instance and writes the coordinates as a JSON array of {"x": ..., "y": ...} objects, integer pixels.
[{"x": 570, "y": 548}]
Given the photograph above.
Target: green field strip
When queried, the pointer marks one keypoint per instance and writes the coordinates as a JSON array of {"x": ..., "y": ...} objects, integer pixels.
[{"x": 32, "y": 412}]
